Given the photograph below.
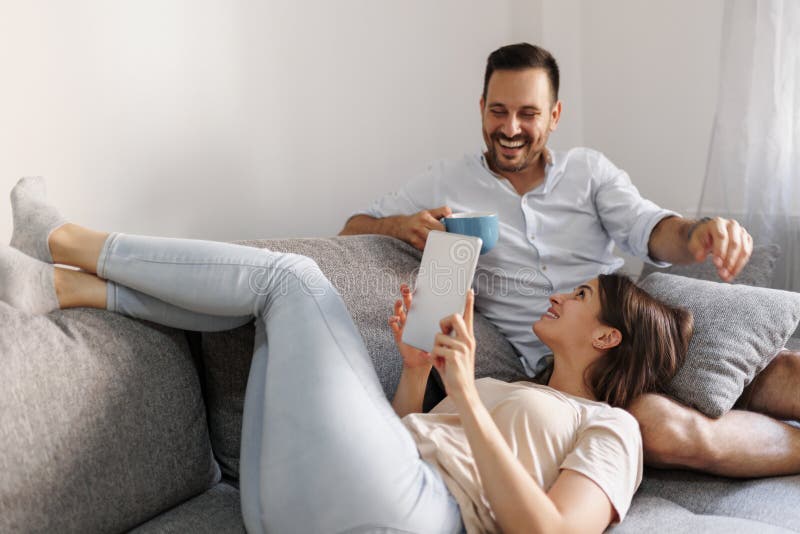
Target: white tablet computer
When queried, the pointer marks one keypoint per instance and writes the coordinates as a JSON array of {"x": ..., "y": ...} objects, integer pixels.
[{"x": 445, "y": 275}]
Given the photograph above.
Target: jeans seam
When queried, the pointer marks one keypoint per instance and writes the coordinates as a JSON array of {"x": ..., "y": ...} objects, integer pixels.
[
  {"x": 105, "y": 252},
  {"x": 274, "y": 268},
  {"x": 206, "y": 262},
  {"x": 289, "y": 270}
]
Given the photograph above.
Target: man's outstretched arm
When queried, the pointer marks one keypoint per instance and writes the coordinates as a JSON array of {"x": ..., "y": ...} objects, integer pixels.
[
  {"x": 681, "y": 241},
  {"x": 412, "y": 229}
]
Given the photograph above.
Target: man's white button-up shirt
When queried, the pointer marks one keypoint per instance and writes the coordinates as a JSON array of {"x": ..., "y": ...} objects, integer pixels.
[{"x": 552, "y": 239}]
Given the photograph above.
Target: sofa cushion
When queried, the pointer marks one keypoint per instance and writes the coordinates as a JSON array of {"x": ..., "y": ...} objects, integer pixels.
[
  {"x": 367, "y": 270},
  {"x": 217, "y": 511},
  {"x": 738, "y": 329},
  {"x": 766, "y": 504},
  {"x": 758, "y": 272},
  {"x": 102, "y": 422},
  {"x": 656, "y": 514}
]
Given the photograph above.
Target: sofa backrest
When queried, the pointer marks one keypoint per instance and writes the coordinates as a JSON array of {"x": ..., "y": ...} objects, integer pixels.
[
  {"x": 102, "y": 422},
  {"x": 367, "y": 270}
]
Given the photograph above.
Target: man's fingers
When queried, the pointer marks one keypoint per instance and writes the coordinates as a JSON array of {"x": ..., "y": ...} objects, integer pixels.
[
  {"x": 421, "y": 235},
  {"x": 728, "y": 242},
  {"x": 700, "y": 246},
  {"x": 423, "y": 226},
  {"x": 417, "y": 226},
  {"x": 719, "y": 240},
  {"x": 441, "y": 211},
  {"x": 431, "y": 223},
  {"x": 734, "y": 245},
  {"x": 744, "y": 254}
]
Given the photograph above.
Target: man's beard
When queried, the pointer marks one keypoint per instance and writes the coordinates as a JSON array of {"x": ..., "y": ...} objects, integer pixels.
[{"x": 498, "y": 160}]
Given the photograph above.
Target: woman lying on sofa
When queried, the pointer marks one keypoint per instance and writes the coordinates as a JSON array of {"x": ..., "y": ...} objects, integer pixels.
[{"x": 322, "y": 448}]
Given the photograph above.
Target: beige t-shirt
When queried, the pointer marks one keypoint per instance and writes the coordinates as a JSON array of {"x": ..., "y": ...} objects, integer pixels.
[{"x": 547, "y": 431}]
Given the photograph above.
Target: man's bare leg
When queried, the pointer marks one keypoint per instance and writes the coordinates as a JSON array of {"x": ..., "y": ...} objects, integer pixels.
[
  {"x": 776, "y": 390},
  {"x": 738, "y": 444}
]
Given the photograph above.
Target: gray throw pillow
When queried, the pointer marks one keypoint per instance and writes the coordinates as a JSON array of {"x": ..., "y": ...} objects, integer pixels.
[
  {"x": 758, "y": 271},
  {"x": 102, "y": 422},
  {"x": 738, "y": 329}
]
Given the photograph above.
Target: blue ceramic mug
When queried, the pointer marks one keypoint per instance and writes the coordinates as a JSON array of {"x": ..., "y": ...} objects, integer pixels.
[{"x": 477, "y": 224}]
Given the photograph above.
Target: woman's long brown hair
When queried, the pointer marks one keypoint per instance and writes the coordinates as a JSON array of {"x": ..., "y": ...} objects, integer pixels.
[{"x": 655, "y": 338}]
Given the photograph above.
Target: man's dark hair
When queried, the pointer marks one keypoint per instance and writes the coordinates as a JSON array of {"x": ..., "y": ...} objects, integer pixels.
[{"x": 522, "y": 56}]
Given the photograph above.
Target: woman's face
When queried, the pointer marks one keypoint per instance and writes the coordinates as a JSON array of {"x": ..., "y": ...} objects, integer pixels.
[{"x": 572, "y": 320}]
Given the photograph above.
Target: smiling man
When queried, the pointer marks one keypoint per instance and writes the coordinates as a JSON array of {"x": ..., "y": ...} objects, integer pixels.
[
  {"x": 517, "y": 121},
  {"x": 560, "y": 215}
]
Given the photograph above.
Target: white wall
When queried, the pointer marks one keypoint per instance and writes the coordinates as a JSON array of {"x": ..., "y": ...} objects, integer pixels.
[
  {"x": 231, "y": 120},
  {"x": 651, "y": 106},
  {"x": 562, "y": 35},
  {"x": 640, "y": 82},
  {"x": 647, "y": 74}
]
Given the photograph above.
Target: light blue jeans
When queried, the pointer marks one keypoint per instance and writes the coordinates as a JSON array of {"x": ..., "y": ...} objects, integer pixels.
[{"x": 322, "y": 449}]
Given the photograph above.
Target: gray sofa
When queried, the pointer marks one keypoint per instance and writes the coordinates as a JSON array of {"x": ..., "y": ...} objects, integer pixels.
[{"x": 109, "y": 424}]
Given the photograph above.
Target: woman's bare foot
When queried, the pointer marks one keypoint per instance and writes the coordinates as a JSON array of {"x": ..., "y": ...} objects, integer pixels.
[
  {"x": 77, "y": 289},
  {"x": 75, "y": 245}
]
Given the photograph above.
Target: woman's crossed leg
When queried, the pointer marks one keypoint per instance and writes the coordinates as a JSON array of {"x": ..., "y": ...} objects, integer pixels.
[{"x": 322, "y": 449}]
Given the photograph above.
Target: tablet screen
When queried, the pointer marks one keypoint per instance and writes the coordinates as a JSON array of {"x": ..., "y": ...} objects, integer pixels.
[{"x": 445, "y": 275}]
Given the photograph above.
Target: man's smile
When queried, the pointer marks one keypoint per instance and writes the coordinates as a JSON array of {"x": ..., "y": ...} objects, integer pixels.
[
  {"x": 511, "y": 144},
  {"x": 510, "y": 148}
]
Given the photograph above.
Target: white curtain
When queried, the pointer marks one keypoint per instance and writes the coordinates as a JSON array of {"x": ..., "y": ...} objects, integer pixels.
[{"x": 753, "y": 171}]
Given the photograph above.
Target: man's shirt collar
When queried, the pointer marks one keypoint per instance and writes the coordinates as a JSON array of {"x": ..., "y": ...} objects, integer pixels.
[{"x": 549, "y": 175}]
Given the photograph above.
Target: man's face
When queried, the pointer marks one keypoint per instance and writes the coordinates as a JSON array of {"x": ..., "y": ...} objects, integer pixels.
[{"x": 518, "y": 116}]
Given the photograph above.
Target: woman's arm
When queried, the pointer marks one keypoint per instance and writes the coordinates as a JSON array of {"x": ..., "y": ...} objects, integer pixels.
[
  {"x": 417, "y": 364},
  {"x": 410, "y": 391},
  {"x": 574, "y": 504}
]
